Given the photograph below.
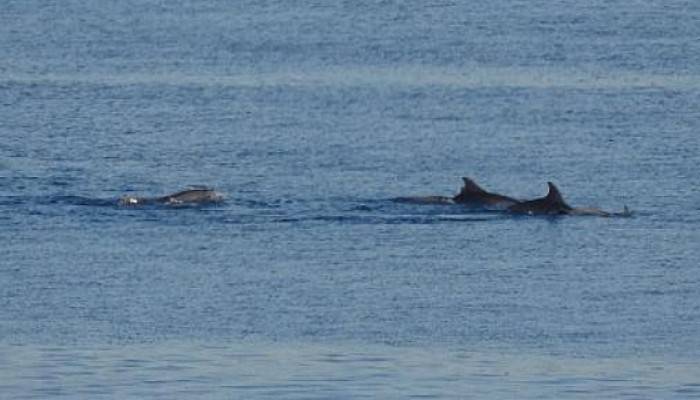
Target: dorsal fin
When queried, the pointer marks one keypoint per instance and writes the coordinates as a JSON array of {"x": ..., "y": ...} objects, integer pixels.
[
  {"x": 554, "y": 196},
  {"x": 471, "y": 187}
]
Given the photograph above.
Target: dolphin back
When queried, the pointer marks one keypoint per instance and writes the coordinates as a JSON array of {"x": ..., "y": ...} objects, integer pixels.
[
  {"x": 193, "y": 196},
  {"x": 552, "y": 204},
  {"x": 474, "y": 195}
]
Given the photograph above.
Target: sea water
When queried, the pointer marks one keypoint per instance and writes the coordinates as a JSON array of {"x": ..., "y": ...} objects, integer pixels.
[{"x": 309, "y": 281}]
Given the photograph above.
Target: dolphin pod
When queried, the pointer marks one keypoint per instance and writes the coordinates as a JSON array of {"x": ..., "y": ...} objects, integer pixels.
[{"x": 472, "y": 195}]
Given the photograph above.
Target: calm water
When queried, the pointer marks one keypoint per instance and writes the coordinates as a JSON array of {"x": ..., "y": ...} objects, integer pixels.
[{"x": 309, "y": 282}]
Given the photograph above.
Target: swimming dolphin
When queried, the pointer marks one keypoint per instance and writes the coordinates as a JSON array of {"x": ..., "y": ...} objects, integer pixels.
[
  {"x": 553, "y": 204},
  {"x": 429, "y": 200},
  {"x": 473, "y": 195},
  {"x": 185, "y": 197}
]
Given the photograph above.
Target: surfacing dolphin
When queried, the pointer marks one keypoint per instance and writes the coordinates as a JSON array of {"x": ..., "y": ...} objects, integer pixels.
[
  {"x": 471, "y": 195},
  {"x": 474, "y": 195},
  {"x": 553, "y": 204},
  {"x": 193, "y": 196}
]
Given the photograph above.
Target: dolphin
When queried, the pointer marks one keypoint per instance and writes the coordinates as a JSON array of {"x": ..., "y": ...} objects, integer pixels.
[
  {"x": 475, "y": 196},
  {"x": 553, "y": 204},
  {"x": 471, "y": 195},
  {"x": 193, "y": 196}
]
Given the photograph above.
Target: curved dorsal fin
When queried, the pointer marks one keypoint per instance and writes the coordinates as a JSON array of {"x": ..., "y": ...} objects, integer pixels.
[
  {"x": 471, "y": 187},
  {"x": 554, "y": 196}
]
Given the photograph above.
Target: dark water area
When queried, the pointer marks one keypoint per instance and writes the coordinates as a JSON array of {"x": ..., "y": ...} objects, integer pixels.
[{"x": 309, "y": 281}]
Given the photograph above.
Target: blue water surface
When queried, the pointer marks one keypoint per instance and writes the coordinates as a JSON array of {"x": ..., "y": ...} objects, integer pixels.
[{"x": 309, "y": 281}]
